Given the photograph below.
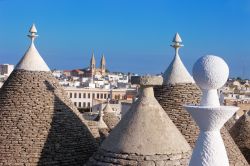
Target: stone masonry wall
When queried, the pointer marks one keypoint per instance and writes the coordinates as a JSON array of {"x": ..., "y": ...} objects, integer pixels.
[
  {"x": 39, "y": 125},
  {"x": 110, "y": 119},
  {"x": 173, "y": 97},
  {"x": 230, "y": 123},
  {"x": 105, "y": 158},
  {"x": 240, "y": 132}
]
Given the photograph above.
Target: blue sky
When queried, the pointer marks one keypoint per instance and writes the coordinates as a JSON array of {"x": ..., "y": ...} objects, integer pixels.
[{"x": 134, "y": 35}]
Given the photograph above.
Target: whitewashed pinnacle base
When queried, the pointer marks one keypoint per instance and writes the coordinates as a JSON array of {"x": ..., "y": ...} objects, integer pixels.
[{"x": 210, "y": 149}]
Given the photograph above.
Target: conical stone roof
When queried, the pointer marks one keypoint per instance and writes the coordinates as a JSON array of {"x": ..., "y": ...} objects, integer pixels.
[
  {"x": 109, "y": 117},
  {"x": 172, "y": 95},
  {"x": 107, "y": 120},
  {"x": 230, "y": 123},
  {"x": 241, "y": 134},
  {"x": 145, "y": 135},
  {"x": 38, "y": 123}
]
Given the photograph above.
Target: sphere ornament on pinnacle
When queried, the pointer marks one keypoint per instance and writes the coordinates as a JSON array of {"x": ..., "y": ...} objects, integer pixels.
[{"x": 210, "y": 73}]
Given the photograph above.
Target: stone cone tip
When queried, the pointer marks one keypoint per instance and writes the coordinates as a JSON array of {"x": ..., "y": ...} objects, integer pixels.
[{"x": 32, "y": 60}]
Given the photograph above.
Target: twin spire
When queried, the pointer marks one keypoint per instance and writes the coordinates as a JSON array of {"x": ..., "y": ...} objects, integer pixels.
[
  {"x": 93, "y": 62},
  {"x": 32, "y": 60},
  {"x": 93, "y": 68}
]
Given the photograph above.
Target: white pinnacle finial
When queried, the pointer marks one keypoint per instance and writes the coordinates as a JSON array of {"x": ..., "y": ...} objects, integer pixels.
[
  {"x": 32, "y": 60},
  {"x": 210, "y": 73},
  {"x": 33, "y": 32},
  {"x": 177, "y": 41},
  {"x": 176, "y": 72},
  {"x": 101, "y": 123}
]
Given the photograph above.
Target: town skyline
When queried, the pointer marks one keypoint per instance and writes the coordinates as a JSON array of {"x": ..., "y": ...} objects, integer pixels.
[
  {"x": 68, "y": 37},
  {"x": 139, "y": 83}
]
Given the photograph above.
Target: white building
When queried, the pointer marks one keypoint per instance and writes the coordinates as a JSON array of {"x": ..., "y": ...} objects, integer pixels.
[
  {"x": 57, "y": 73},
  {"x": 6, "y": 69},
  {"x": 85, "y": 97}
]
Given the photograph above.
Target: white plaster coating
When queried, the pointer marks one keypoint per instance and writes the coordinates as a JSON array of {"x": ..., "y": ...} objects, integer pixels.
[
  {"x": 33, "y": 29},
  {"x": 146, "y": 129},
  {"x": 210, "y": 73},
  {"x": 210, "y": 98},
  {"x": 209, "y": 148},
  {"x": 177, "y": 38},
  {"x": 177, "y": 72},
  {"x": 211, "y": 118},
  {"x": 32, "y": 61}
]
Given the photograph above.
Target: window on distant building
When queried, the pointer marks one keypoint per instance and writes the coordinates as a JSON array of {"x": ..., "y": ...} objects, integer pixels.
[
  {"x": 84, "y": 104},
  {"x": 88, "y": 104},
  {"x": 98, "y": 95},
  {"x": 117, "y": 97},
  {"x": 75, "y": 103},
  {"x": 89, "y": 95},
  {"x": 109, "y": 96},
  {"x": 84, "y": 95},
  {"x": 80, "y": 95},
  {"x": 79, "y": 104},
  {"x": 105, "y": 96},
  {"x": 70, "y": 95},
  {"x": 75, "y": 95},
  {"x": 93, "y": 96},
  {"x": 101, "y": 96}
]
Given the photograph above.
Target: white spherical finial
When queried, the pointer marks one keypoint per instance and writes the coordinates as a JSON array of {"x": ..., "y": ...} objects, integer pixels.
[{"x": 210, "y": 72}]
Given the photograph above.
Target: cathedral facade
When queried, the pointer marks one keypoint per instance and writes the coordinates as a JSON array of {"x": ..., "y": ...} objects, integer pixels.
[{"x": 93, "y": 70}]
